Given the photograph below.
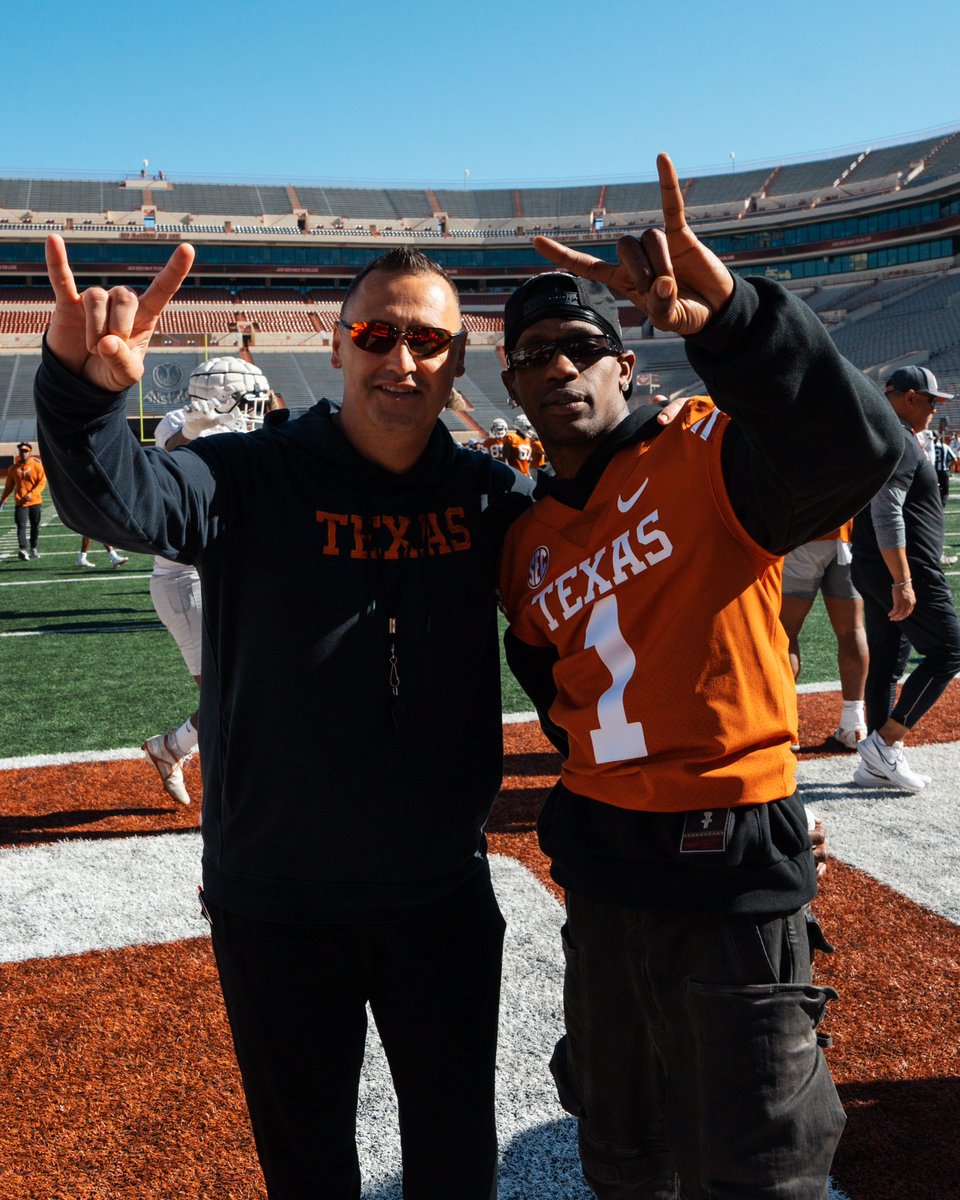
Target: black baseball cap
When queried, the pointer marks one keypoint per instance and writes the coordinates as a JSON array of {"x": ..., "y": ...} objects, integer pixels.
[
  {"x": 560, "y": 294},
  {"x": 916, "y": 379},
  {"x": 24, "y": 446}
]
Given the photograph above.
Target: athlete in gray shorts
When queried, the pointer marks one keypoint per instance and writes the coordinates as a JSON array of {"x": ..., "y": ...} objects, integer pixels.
[{"x": 824, "y": 566}]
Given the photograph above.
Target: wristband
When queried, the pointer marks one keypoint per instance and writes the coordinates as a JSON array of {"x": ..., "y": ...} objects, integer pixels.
[{"x": 903, "y": 583}]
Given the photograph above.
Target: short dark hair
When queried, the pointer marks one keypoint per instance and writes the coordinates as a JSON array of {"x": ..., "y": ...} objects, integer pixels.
[{"x": 404, "y": 260}]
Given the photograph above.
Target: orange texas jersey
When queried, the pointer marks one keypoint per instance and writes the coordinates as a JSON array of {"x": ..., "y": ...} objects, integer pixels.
[
  {"x": 538, "y": 455},
  {"x": 506, "y": 449},
  {"x": 673, "y": 683},
  {"x": 523, "y": 452}
]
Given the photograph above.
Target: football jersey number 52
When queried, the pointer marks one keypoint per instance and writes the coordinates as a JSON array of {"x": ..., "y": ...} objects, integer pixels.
[{"x": 616, "y": 739}]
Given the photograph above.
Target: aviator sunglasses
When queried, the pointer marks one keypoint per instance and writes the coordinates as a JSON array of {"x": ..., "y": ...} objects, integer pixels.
[
  {"x": 582, "y": 351},
  {"x": 379, "y": 337}
]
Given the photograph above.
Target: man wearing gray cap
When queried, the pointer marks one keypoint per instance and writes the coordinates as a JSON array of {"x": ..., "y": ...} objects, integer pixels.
[{"x": 897, "y": 545}]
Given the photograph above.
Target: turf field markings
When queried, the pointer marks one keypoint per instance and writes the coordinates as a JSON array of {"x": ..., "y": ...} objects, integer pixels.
[
  {"x": 60, "y": 553},
  {"x": 68, "y": 758},
  {"x": 147, "y": 626},
  {"x": 100, "y": 576}
]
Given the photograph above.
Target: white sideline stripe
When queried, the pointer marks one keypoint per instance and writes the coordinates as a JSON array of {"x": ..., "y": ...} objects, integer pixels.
[
  {"x": 22, "y": 761},
  {"x": 77, "y": 632},
  {"x": 910, "y": 842},
  {"x": 78, "y": 896},
  {"x": 100, "y": 575},
  {"x": 808, "y": 689},
  {"x": 97, "y": 549},
  {"x": 73, "y": 897},
  {"x": 67, "y": 757}
]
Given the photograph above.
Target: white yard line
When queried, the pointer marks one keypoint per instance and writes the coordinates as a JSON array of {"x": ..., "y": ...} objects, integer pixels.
[{"x": 100, "y": 575}]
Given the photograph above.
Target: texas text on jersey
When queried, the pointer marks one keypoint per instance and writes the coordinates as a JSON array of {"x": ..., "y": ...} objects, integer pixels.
[{"x": 642, "y": 730}]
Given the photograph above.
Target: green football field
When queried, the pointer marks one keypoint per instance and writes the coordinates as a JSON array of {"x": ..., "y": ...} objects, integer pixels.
[{"x": 86, "y": 665}]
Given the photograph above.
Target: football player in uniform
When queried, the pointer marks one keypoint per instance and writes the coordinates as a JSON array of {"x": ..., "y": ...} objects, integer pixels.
[
  {"x": 532, "y": 456},
  {"x": 643, "y": 594},
  {"x": 498, "y": 444},
  {"x": 226, "y": 395},
  {"x": 511, "y": 448}
]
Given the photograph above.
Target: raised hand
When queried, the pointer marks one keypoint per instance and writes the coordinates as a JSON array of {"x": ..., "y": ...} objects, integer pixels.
[
  {"x": 669, "y": 274},
  {"x": 103, "y": 336},
  {"x": 201, "y": 416}
]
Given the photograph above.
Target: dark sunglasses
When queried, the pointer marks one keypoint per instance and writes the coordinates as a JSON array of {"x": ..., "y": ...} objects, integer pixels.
[
  {"x": 379, "y": 337},
  {"x": 582, "y": 351}
]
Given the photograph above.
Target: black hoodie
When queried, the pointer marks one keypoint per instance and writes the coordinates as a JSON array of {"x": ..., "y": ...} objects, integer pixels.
[{"x": 349, "y": 764}]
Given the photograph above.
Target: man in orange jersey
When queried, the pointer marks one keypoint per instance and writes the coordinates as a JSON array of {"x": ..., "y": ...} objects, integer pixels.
[
  {"x": 26, "y": 479},
  {"x": 531, "y": 453},
  {"x": 643, "y": 591},
  {"x": 503, "y": 445}
]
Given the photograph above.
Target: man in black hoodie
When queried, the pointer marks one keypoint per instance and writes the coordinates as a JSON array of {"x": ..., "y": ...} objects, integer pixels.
[
  {"x": 343, "y": 851},
  {"x": 643, "y": 591}
]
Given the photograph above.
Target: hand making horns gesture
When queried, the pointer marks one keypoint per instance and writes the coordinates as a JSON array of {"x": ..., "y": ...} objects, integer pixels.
[
  {"x": 103, "y": 336},
  {"x": 668, "y": 273}
]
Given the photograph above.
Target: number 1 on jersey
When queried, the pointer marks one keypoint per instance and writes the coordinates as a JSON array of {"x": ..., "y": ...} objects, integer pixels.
[{"x": 616, "y": 739}]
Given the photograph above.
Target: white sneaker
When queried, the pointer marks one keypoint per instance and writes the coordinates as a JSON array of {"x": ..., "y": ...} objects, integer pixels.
[
  {"x": 864, "y": 777},
  {"x": 83, "y": 561},
  {"x": 23, "y": 555},
  {"x": 169, "y": 767},
  {"x": 890, "y": 762},
  {"x": 850, "y": 738},
  {"x": 117, "y": 560},
  {"x": 34, "y": 553}
]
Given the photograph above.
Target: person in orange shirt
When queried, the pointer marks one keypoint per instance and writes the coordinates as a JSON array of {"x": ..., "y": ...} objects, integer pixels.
[
  {"x": 503, "y": 445},
  {"x": 26, "y": 479},
  {"x": 642, "y": 591},
  {"x": 532, "y": 455}
]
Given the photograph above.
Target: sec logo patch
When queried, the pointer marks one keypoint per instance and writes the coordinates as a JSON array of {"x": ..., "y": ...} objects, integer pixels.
[{"x": 539, "y": 562}]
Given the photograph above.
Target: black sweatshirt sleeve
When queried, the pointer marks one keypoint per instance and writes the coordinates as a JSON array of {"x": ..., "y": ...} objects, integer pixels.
[
  {"x": 812, "y": 439},
  {"x": 105, "y": 485}
]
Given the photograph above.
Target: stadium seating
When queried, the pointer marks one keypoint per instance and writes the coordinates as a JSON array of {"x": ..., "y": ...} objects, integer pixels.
[{"x": 900, "y": 301}]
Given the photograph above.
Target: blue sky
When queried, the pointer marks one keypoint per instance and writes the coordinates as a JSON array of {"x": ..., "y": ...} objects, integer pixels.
[{"x": 419, "y": 93}]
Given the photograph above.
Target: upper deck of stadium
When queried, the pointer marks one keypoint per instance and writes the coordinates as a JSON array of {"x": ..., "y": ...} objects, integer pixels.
[
  {"x": 156, "y": 206},
  {"x": 870, "y": 239}
]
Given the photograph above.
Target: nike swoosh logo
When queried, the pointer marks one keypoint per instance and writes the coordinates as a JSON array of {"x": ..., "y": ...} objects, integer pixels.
[{"x": 626, "y": 505}]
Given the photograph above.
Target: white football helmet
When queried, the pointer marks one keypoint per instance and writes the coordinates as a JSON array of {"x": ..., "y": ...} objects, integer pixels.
[
  {"x": 498, "y": 428},
  {"x": 524, "y": 427},
  {"x": 238, "y": 390}
]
